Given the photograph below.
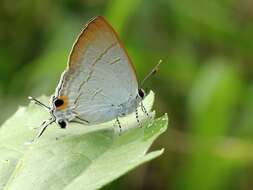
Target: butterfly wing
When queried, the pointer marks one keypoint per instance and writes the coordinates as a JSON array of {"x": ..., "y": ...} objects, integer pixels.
[{"x": 100, "y": 75}]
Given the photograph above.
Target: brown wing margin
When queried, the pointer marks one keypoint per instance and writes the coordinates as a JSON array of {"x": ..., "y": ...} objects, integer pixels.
[{"x": 87, "y": 35}]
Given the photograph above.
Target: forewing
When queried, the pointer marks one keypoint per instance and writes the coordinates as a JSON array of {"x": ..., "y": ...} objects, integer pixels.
[{"x": 100, "y": 74}]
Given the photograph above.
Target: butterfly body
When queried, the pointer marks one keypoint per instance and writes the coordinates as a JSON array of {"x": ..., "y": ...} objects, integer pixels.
[{"x": 107, "y": 112}]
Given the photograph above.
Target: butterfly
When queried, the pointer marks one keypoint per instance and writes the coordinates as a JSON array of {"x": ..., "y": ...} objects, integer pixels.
[{"x": 99, "y": 83}]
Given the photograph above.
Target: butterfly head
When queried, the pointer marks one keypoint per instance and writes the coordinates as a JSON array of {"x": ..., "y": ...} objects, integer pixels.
[{"x": 141, "y": 93}]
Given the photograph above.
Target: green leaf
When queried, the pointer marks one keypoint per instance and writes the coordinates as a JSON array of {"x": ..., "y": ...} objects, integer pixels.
[{"x": 80, "y": 157}]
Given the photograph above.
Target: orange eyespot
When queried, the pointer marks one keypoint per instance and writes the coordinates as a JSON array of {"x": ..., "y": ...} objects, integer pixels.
[{"x": 61, "y": 102}]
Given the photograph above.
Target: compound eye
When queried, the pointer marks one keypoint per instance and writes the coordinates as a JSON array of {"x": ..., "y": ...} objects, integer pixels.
[
  {"x": 58, "y": 102},
  {"x": 62, "y": 123},
  {"x": 141, "y": 93}
]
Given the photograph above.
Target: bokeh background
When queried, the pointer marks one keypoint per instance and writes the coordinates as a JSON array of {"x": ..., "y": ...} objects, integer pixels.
[{"x": 204, "y": 84}]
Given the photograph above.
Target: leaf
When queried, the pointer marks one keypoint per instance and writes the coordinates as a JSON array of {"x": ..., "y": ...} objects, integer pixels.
[{"x": 80, "y": 157}]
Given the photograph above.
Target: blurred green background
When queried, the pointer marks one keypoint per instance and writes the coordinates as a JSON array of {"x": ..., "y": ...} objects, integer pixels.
[{"x": 204, "y": 84}]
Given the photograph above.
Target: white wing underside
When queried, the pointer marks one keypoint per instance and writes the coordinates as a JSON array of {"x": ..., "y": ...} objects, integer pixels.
[{"x": 100, "y": 76}]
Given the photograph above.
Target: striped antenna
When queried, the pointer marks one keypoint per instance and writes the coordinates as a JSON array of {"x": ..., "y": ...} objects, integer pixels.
[{"x": 152, "y": 72}]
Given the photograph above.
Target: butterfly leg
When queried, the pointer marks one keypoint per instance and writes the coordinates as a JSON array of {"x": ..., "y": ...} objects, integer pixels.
[
  {"x": 119, "y": 125},
  {"x": 137, "y": 116},
  {"x": 144, "y": 109}
]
